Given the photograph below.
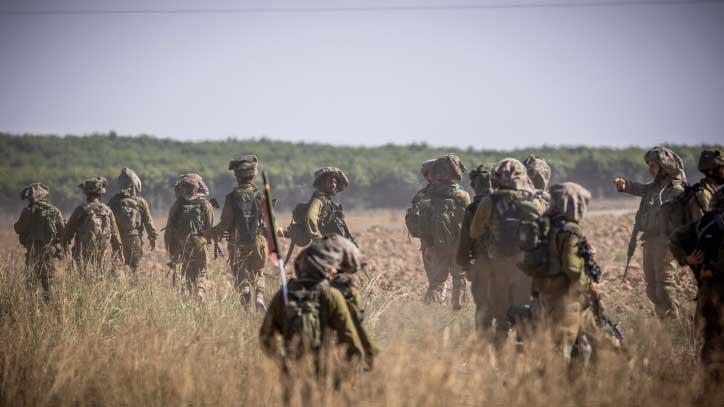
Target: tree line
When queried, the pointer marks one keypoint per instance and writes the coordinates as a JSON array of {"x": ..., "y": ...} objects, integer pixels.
[{"x": 382, "y": 177}]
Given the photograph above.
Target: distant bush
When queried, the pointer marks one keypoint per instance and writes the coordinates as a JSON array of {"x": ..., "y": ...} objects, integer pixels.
[{"x": 382, "y": 177}]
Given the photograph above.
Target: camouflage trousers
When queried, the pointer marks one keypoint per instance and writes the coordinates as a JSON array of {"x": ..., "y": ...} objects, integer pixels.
[
  {"x": 507, "y": 286},
  {"x": 439, "y": 264},
  {"x": 132, "y": 251},
  {"x": 479, "y": 288},
  {"x": 562, "y": 319},
  {"x": 193, "y": 261},
  {"x": 660, "y": 268},
  {"x": 247, "y": 263},
  {"x": 709, "y": 323},
  {"x": 93, "y": 259},
  {"x": 40, "y": 262}
]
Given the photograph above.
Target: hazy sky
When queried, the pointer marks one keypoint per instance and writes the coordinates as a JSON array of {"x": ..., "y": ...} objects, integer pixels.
[{"x": 491, "y": 78}]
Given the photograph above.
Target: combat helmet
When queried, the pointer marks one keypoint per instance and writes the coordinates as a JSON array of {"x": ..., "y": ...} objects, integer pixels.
[
  {"x": 129, "y": 182},
  {"x": 244, "y": 166},
  {"x": 35, "y": 192},
  {"x": 449, "y": 166},
  {"x": 480, "y": 178},
  {"x": 539, "y": 171},
  {"x": 96, "y": 185},
  {"x": 342, "y": 180},
  {"x": 710, "y": 160},
  {"x": 190, "y": 182},
  {"x": 669, "y": 162}
]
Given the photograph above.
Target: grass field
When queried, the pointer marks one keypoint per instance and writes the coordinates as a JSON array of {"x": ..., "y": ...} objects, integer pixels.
[{"x": 116, "y": 341}]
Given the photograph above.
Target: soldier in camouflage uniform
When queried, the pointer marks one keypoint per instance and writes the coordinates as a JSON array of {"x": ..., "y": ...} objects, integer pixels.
[
  {"x": 472, "y": 254},
  {"x": 539, "y": 173},
  {"x": 659, "y": 265},
  {"x": 343, "y": 281},
  {"x": 189, "y": 216},
  {"x": 711, "y": 164},
  {"x": 94, "y": 228},
  {"x": 242, "y": 220},
  {"x": 496, "y": 222},
  {"x": 324, "y": 216},
  {"x": 439, "y": 214},
  {"x": 39, "y": 230},
  {"x": 700, "y": 245},
  {"x": 560, "y": 291},
  {"x": 133, "y": 216}
]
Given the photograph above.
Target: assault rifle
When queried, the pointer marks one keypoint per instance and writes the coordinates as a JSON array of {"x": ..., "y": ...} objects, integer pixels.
[
  {"x": 632, "y": 243},
  {"x": 339, "y": 226}
]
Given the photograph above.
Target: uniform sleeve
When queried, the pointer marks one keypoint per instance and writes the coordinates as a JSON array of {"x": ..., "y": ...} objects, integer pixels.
[
  {"x": 227, "y": 220},
  {"x": 315, "y": 207},
  {"x": 168, "y": 231},
  {"x": 698, "y": 204},
  {"x": 271, "y": 327},
  {"x": 22, "y": 225},
  {"x": 342, "y": 323},
  {"x": 208, "y": 217},
  {"x": 71, "y": 228},
  {"x": 59, "y": 224},
  {"x": 462, "y": 258},
  {"x": 482, "y": 218},
  {"x": 677, "y": 239},
  {"x": 115, "y": 234},
  {"x": 637, "y": 188},
  {"x": 147, "y": 219},
  {"x": 571, "y": 262}
]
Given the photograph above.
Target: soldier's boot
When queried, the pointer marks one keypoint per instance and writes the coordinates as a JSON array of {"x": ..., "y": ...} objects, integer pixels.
[
  {"x": 260, "y": 305},
  {"x": 245, "y": 295}
]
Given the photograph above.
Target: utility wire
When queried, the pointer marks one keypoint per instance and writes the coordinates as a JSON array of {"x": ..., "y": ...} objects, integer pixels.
[{"x": 360, "y": 9}]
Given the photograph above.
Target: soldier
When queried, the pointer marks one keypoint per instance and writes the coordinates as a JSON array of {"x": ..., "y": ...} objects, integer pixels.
[
  {"x": 94, "y": 228},
  {"x": 242, "y": 219},
  {"x": 559, "y": 289},
  {"x": 133, "y": 216},
  {"x": 39, "y": 230},
  {"x": 189, "y": 216},
  {"x": 711, "y": 164},
  {"x": 497, "y": 220},
  {"x": 436, "y": 219},
  {"x": 343, "y": 281},
  {"x": 700, "y": 245},
  {"x": 313, "y": 315},
  {"x": 324, "y": 216},
  {"x": 539, "y": 173},
  {"x": 659, "y": 265},
  {"x": 472, "y": 254}
]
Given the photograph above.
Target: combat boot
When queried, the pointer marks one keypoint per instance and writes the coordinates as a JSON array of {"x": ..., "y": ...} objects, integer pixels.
[{"x": 260, "y": 306}]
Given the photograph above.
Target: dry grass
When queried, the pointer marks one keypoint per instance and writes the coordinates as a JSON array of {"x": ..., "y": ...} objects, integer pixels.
[{"x": 113, "y": 341}]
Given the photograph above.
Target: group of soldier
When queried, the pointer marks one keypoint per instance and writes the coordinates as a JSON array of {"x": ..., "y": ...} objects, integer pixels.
[{"x": 518, "y": 242}]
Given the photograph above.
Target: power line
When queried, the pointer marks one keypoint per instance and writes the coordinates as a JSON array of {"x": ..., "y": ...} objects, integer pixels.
[{"x": 361, "y": 9}]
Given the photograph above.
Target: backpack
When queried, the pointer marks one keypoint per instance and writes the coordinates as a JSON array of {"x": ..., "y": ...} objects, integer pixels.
[
  {"x": 247, "y": 215},
  {"x": 188, "y": 219},
  {"x": 128, "y": 215},
  {"x": 298, "y": 229},
  {"x": 436, "y": 219},
  {"x": 534, "y": 243},
  {"x": 675, "y": 212},
  {"x": 43, "y": 218},
  {"x": 510, "y": 212},
  {"x": 302, "y": 330},
  {"x": 95, "y": 229}
]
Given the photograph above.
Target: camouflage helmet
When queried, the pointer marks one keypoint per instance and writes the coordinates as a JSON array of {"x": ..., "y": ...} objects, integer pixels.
[
  {"x": 539, "y": 171},
  {"x": 320, "y": 258},
  {"x": 129, "y": 182},
  {"x": 35, "y": 192},
  {"x": 425, "y": 167},
  {"x": 710, "y": 160},
  {"x": 512, "y": 174},
  {"x": 94, "y": 186},
  {"x": 342, "y": 180},
  {"x": 190, "y": 185},
  {"x": 669, "y": 162},
  {"x": 717, "y": 199},
  {"x": 448, "y": 167},
  {"x": 351, "y": 256},
  {"x": 480, "y": 178},
  {"x": 569, "y": 200},
  {"x": 244, "y": 166}
]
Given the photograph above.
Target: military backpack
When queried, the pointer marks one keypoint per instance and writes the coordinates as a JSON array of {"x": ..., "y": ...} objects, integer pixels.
[
  {"x": 43, "y": 219},
  {"x": 436, "y": 219},
  {"x": 510, "y": 211},
  {"x": 96, "y": 227},
  {"x": 188, "y": 219},
  {"x": 302, "y": 317},
  {"x": 247, "y": 215},
  {"x": 128, "y": 214}
]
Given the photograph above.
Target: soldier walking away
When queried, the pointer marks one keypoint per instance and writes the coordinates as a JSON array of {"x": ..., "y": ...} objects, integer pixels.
[
  {"x": 497, "y": 221},
  {"x": 659, "y": 265},
  {"x": 94, "y": 228},
  {"x": 472, "y": 254},
  {"x": 188, "y": 217},
  {"x": 700, "y": 245},
  {"x": 39, "y": 230},
  {"x": 313, "y": 322},
  {"x": 436, "y": 219},
  {"x": 133, "y": 216},
  {"x": 242, "y": 221}
]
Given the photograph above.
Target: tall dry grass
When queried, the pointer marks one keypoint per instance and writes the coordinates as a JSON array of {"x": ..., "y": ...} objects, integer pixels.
[{"x": 121, "y": 341}]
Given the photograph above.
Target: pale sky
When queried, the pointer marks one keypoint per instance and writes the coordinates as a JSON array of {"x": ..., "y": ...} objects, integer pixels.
[{"x": 488, "y": 78}]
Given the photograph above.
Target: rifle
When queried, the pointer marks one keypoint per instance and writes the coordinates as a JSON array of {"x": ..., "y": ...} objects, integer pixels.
[
  {"x": 271, "y": 224},
  {"x": 341, "y": 227},
  {"x": 633, "y": 241}
]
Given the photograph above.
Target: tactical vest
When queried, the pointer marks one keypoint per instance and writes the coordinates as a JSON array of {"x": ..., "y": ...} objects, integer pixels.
[
  {"x": 128, "y": 215},
  {"x": 43, "y": 219},
  {"x": 438, "y": 218},
  {"x": 247, "y": 215},
  {"x": 331, "y": 218},
  {"x": 188, "y": 218}
]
